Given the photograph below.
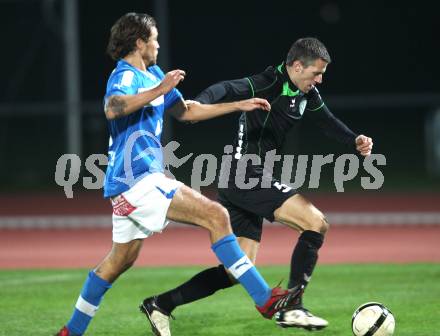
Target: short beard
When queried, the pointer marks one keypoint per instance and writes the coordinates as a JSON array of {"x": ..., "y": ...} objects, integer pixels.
[{"x": 150, "y": 63}]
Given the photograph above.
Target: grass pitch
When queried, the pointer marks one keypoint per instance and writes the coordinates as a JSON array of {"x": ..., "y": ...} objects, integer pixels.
[{"x": 39, "y": 302}]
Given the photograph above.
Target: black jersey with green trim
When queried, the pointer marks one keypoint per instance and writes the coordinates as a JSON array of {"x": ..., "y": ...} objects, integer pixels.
[{"x": 260, "y": 131}]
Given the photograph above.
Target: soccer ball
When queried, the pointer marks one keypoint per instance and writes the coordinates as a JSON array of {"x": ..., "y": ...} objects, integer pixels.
[{"x": 373, "y": 319}]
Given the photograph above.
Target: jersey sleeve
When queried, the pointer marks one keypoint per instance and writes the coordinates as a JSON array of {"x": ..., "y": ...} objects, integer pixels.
[
  {"x": 226, "y": 91},
  {"x": 332, "y": 126},
  {"x": 236, "y": 89},
  {"x": 122, "y": 83},
  {"x": 172, "y": 97},
  {"x": 320, "y": 114},
  {"x": 262, "y": 81}
]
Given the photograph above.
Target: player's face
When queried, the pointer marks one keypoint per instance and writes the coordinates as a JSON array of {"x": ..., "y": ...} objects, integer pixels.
[
  {"x": 150, "y": 49},
  {"x": 305, "y": 78}
]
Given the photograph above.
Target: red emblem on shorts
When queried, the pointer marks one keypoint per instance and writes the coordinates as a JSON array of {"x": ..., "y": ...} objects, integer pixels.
[{"x": 121, "y": 207}]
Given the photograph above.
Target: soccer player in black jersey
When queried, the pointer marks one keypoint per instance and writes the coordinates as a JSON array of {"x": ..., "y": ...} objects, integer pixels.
[{"x": 291, "y": 90}]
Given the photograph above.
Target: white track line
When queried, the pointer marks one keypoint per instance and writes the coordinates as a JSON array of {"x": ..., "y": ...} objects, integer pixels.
[{"x": 104, "y": 221}]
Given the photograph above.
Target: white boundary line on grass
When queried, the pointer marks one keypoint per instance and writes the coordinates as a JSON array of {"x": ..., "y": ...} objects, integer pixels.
[
  {"x": 105, "y": 221},
  {"x": 36, "y": 279}
]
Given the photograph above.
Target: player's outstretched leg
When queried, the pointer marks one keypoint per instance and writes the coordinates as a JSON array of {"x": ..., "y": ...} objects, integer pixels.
[
  {"x": 298, "y": 212},
  {"x": 86, "y": 306},
  {"x": 300, "y": 317},
  {"x": 159, "y": 319},
  {"x": 188, "y": 206},
  {"x": 158, "y": 309},
  {"x": 121, "y": 257}
]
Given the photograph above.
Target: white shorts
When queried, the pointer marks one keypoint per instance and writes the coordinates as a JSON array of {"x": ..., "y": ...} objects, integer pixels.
[{"x": 142, "y": 210}]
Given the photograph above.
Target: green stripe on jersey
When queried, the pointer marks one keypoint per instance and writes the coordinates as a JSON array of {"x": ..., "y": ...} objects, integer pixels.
[
  {"x": 316, "y": 109},
  {"x": 280, "y": 68},
  {"x": 252, "y": 88},
  {"x": 287, "y": 91}
]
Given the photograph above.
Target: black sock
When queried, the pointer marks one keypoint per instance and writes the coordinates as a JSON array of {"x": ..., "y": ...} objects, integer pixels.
[
  {"x": 202, "y": 285},
  {"x": 304, "y": 258}
]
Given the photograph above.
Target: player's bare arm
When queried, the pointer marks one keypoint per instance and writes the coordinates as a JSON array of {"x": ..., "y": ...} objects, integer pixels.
[
  {"x": 118, "y": 106},
  {"x": 194, "y": 111},
  {"x": 364, "y": 145}
]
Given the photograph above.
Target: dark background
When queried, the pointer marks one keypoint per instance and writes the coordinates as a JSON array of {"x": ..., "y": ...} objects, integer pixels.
[{"x": 381, "y": 81}]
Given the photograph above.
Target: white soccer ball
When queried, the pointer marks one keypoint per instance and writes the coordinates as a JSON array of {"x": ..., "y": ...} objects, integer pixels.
[{"x": 373, "y": 319}]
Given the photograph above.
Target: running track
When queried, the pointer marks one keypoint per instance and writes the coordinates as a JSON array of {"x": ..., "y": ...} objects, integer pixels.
[
  {"x": 178, "y": 245},
  {"x": 73, "y": 248}
]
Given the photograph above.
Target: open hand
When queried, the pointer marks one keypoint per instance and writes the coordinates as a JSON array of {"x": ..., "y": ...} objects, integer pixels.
[{"x": 171, "y": 80}]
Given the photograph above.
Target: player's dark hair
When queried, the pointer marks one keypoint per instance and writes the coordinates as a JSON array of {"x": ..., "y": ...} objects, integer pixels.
[
  {"x": 307, "y": 50},
  {"x": 125, "y": 32}
]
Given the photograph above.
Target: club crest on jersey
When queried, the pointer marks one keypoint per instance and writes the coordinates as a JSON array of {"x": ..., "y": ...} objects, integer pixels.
[
  {"x": 302, "y": 106},
  {"x": 292, "y": 103}
]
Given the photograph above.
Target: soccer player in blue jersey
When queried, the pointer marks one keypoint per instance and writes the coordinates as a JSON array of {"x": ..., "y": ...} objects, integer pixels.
[{"x": 143, "y": 198}]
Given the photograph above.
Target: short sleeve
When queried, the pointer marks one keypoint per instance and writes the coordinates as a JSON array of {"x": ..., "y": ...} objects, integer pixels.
[
  {"x": 122, "y": 83},
  {"x": 172, "y": 97}
]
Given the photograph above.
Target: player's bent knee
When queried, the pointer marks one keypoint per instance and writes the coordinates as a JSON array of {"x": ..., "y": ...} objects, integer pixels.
[
  {"x": 324, "y": 225},
  {"x": 319, "y": 223},
  {"x": 218, "y": 218}
]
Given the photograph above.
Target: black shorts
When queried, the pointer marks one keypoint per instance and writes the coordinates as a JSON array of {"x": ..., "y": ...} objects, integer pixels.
[{"x": 248, "y": 207}]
